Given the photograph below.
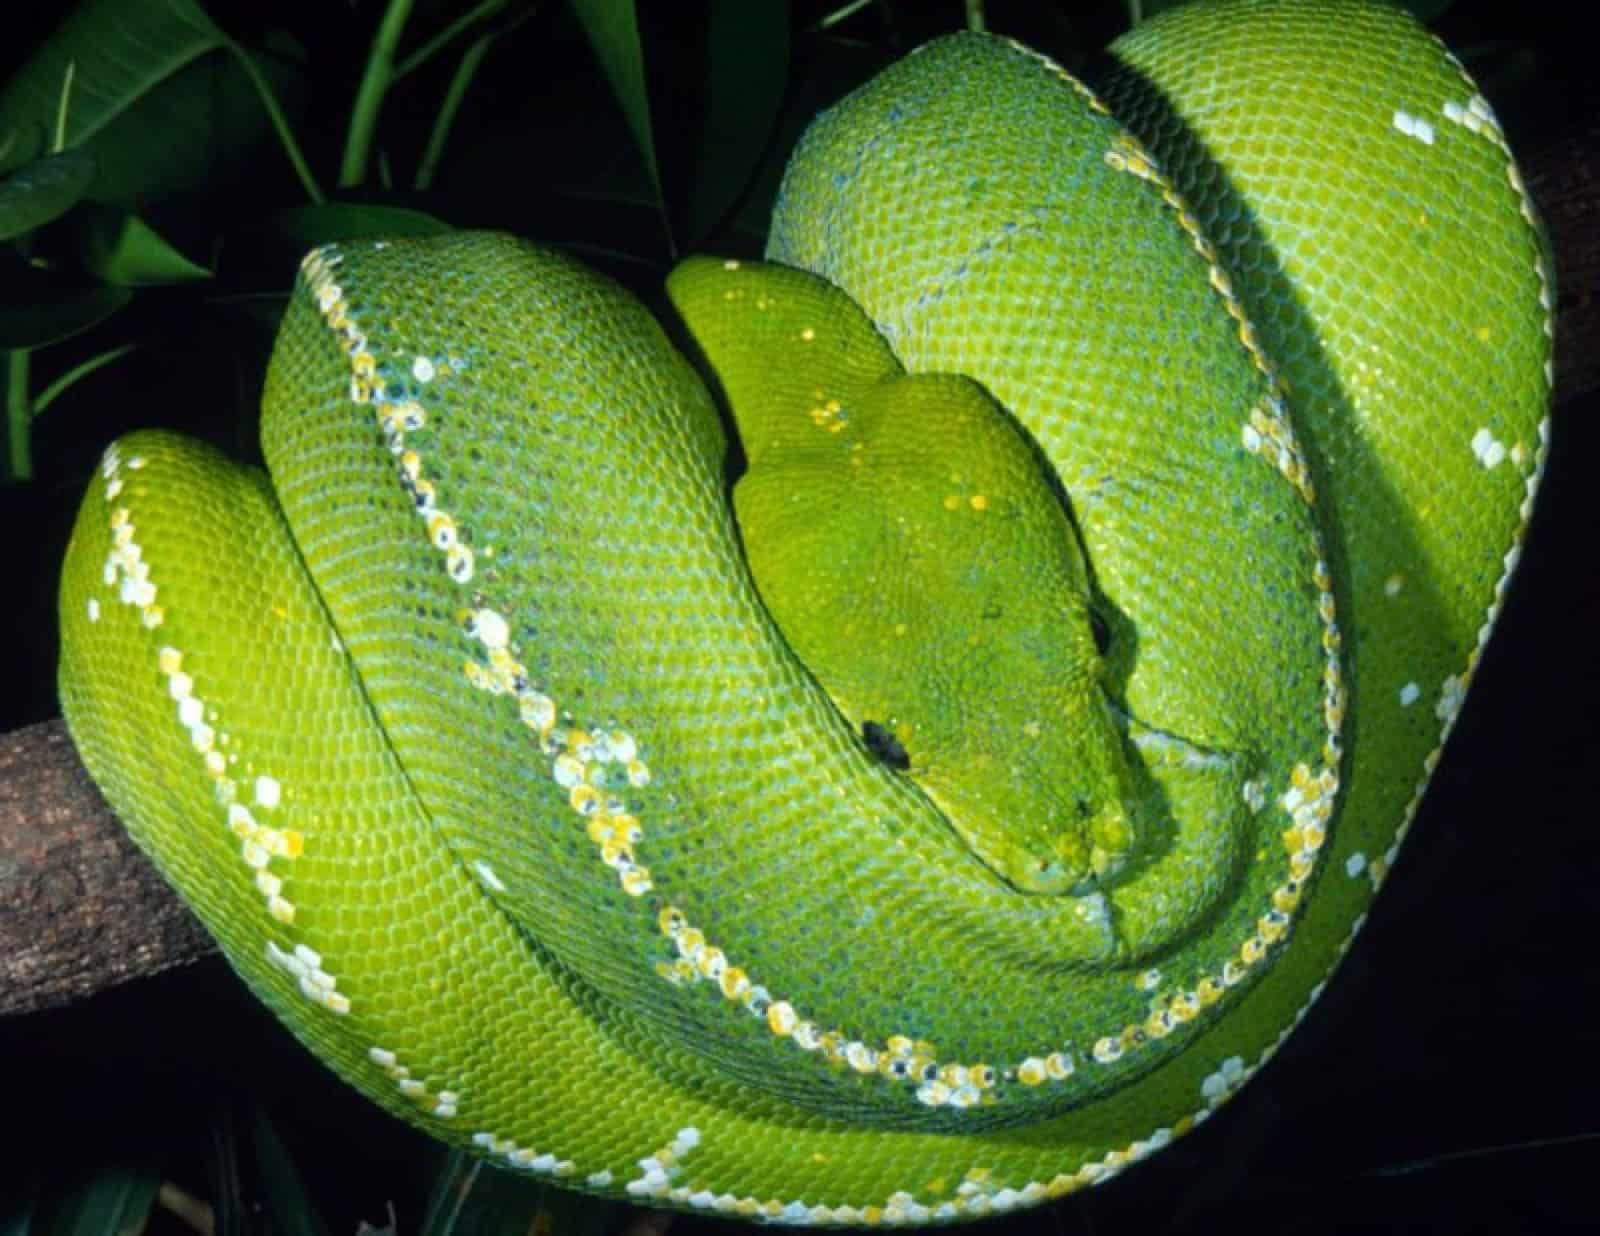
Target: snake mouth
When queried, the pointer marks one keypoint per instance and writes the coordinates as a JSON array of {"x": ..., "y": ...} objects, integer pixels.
[{"x": 1091, "y": 846}]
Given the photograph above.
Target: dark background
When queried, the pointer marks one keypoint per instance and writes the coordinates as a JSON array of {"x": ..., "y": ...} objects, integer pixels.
[{"x": 1449, "y": 1079}]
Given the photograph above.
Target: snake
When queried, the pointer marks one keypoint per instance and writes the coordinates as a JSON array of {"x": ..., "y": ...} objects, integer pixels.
[{"x": 903, "y": 729}]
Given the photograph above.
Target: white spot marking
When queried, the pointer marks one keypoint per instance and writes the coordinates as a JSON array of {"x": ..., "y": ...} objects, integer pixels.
[
  {"x": 422, "y": 369},
  {"x": 487, "y": 875},
  {"x": 1219, "y": 1085},
  {"x": 1414, "y": 126},
  {"x": 1489, "y": 450},
  {"x": 1450, "y": 696},
  {"x": 1355, "y": 865},
  {"x": 1409, "y": 694},
  {"x": 268, "y": 792},
  {"x": 1476, "y": 116},
  {"x": 493, "y": 630}
]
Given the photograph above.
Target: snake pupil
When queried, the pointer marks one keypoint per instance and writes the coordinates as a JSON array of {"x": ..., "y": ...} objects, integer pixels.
[{"x": 885, "y": 746}]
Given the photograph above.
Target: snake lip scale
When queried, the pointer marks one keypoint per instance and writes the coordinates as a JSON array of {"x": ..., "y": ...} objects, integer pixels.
[{"x": 966, "y": 804}]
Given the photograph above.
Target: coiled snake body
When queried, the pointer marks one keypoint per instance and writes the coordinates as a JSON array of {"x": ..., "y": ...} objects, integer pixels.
[{"x": 967, "y": 807}]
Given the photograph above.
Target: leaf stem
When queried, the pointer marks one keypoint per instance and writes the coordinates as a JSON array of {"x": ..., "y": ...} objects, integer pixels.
[
  {"x": 369, "y": 96},
  {"x": 425, "y": 53},
  {"x": 451, "y": 104},
  {"x": 18, "y": 462},
  {"x": 280, "y": 122},
  {"x": 60, "y": 142},
  {"x": 78, "y": 372},
  {"x": 832, "y": 19}
]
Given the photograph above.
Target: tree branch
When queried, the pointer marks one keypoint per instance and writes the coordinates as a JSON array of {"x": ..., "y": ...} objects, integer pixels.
[{"x": 80, "y": 908}]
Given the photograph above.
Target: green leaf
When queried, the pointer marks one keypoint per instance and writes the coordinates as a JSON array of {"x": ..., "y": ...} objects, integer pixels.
[
  {"x": 470, "y": 1198},
  {"x": 309, "y": 226},
  {"x": 612, "y": 27},
  {"x": 448, "y": 1197},
  {"x": 121, "y": 248},
  {"x": 115, "y": 1201},
  {"x": 160, "y": 98},
  {"x": 43, "y": 190},
  {"x": 203, "y": 128},
  {"x": 287, "y": 1202},
  {"x": 222, "y": 1169},
  {"x": 121, "y": 53},
  {"x": 747, "y": 64},
  {"x": 40, "y": 306}
]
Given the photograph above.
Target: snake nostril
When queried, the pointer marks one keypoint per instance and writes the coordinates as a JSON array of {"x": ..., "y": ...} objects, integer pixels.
[
  {"x": 885, "y": 746},
  {"x": 1101, "y": 630},
  {"x": 1083, "y": 808}
]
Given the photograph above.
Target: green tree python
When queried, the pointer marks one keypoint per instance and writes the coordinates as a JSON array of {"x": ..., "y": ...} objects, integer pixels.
[{"x": 910, "y": 736}]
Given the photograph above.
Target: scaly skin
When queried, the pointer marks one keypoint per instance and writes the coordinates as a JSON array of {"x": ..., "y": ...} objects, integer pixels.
[
  {"x": 546, "y": 816},
  {"x": 906, "y": 541}
]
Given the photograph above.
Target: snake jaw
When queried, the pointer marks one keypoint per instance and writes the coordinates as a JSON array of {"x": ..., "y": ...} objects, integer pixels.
[{"x": 1049, "y": 811}]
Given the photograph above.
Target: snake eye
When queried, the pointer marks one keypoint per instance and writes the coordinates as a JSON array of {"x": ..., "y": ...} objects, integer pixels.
[
  {"x": 885, "y": 746},
  {"x": 1101, "y": 630}
]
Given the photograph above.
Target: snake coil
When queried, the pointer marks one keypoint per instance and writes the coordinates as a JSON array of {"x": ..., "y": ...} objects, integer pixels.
[{"x": 1162, "y": 452}]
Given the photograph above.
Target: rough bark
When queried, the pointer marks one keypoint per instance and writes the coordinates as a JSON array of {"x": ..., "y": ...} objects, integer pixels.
[{"x": 81, "y": 908}]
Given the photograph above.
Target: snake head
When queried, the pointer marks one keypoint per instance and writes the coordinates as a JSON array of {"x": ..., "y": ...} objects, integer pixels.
[
  {"x": 906, "y": 538},
  {"x": 955, "y": 636}
]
